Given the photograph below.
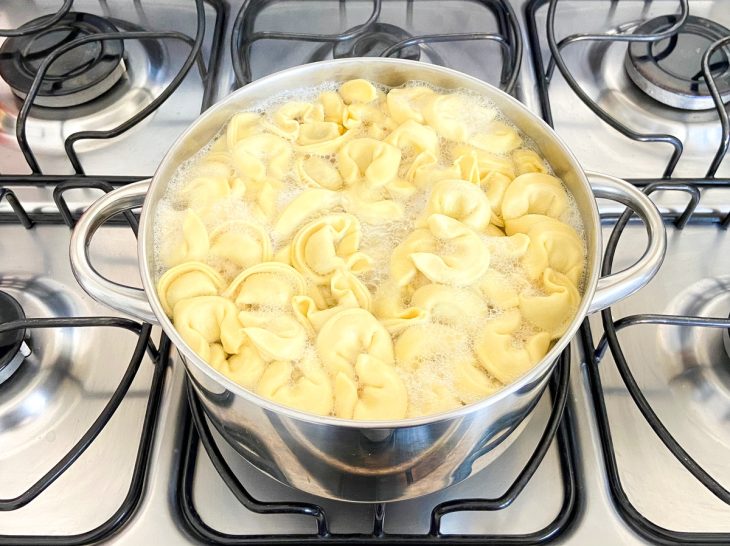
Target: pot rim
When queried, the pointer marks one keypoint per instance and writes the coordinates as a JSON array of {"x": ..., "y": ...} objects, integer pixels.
[{"x": 534, "y": 374}]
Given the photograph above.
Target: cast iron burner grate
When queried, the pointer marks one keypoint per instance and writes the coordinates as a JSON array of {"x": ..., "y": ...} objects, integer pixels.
[
  {"x": 669, "y": 71},
  {"x": 376, "y": 38},
  {"x": 13, "y": 349},
  {"x": 77, "y": 76},
  {"x": 374, "y": 43}
]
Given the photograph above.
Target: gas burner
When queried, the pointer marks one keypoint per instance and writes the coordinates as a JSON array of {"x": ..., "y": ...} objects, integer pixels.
[
  {"x": 13, "y": 349},
  {"x": 76, "y": 77},
  {"x": 375, "y": 41},
  {"x": 670, "y": 70},
  {"x": 698, "y": 370}
]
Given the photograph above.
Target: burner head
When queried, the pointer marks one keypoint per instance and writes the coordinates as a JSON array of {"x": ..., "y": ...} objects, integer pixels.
[
  {"x": 670, "y": 70},
  {"x": 377, "y": 39},
  {"x": 12, "y": 347},
  {"x": 78, "y": 76}
]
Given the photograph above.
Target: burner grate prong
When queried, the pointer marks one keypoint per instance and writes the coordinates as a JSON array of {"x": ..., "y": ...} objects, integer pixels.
[{"x": 721, "y": 111}]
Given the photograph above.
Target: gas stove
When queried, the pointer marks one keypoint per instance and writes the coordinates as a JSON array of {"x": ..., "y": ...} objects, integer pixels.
[{"x": 100, "y": 437}]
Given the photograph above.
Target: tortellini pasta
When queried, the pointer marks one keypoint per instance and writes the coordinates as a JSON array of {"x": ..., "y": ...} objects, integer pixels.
[
  {"x": 245, "y": 367},
  {"x": 315, "y": 171},
  {"x": 407, "y": 103},
  {"x": 241, "y": 243},
  {"x": 188, "y": 280},
  {"x": 208, "y": 322},
  {"x": 499, "y": 139},
  {"x": 461, "y": 201},
  {"x": 552, "y": 311},
  {"x": 534, "y": 193},
  {"x": 453, "y": 116},
  {"x": 368, "y": 161},
  {"x": 289, "y": 120},
  {"x": 345, "y": 292},
  {"x": 305, "y": 386},
  {"x": 527, "y": 161},
  {"x": 369, "y": 253},
  {"x": 304, "y": 206},
  {"x": 350, "y": 333},
  {"x": 260, "y": 156},
  {"x": 242, "y": 125},
  {"x": 414, "y": 138},
  {"x": 498, "y": 354},
  {"x": 358, "y": 91},
  {"x": 446, "y": 251},
  {"x": 326, "y": 245},
  {"x": 449, "y": 305},
  {"x": 379, "y": 392},
  {"x": 195, "y": 244},
  {"x": 552, "y": 244}
]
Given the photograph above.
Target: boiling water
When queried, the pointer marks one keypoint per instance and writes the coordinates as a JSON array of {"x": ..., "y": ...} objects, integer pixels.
[{"x": 378, "y": 239}]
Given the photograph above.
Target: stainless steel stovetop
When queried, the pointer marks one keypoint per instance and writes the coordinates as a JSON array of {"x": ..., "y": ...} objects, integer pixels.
[{"x": 606, "y": 476}]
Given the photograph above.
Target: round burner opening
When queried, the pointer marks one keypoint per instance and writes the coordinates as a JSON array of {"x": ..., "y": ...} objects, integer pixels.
[
  {"x": 375, "y": 41},
  {"x": 670, "y": 70},
  {"x": 13, "y": 349},
  {"x": 77, "y": 76}
]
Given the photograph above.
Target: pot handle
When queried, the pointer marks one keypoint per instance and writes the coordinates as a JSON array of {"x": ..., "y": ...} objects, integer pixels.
[
  {"x": 622, "y": 284},
  {"x": 126, "y": 299}
]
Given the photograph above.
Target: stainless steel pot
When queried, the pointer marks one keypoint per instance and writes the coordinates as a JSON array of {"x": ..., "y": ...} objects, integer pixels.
[{"x": 357, "y": 460}]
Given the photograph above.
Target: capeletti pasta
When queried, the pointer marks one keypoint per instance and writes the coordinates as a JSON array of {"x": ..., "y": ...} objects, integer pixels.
[{"x": 369, "y": 253}]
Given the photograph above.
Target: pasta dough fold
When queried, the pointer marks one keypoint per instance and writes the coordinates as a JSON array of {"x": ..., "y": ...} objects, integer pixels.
[
  {"x": 461, "y": 201},
  {"x": 552, "y": 244},
  {"x": 534, "y": 193},
  {"x": 407, "y": 103},
  {"x": 350, "y": 333},
  {"x": 307, "y": 204},
  {"x": 304, "y": 386},
  {"x": 345, "y": 292},
  {"x": 553, "y": 311},
  {"x": 241, "y": 243},
  {"x": 207, "y": 324},
  {"x": 261, "y": 156},
  {"x": 327, "y": 244},
  {"x": 368, "y": 160},
  {"x": 445, "y": 252},
  {"x": 378, "y": 394},
  {"x": 195, "y": 244},
  {"x": 244, "y": 368},
  {"x": 497, "y": 352},
  {"x": 188, "y": 280}
]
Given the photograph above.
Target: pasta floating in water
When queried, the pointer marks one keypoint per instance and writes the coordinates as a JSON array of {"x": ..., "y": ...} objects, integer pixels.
[{"x": 369, "y": 253}]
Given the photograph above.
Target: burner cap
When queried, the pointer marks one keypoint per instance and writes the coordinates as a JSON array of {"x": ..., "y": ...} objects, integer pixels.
[
  {"x": 12, "y": 347},
  {"x": 377, "y": 39},
  {"x": 670, "y": 70},
  {"x": 78, "y": 76}
]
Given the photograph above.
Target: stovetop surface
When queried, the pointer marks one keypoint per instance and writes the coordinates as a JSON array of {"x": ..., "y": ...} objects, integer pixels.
[{"x": 684, "y": 372}]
